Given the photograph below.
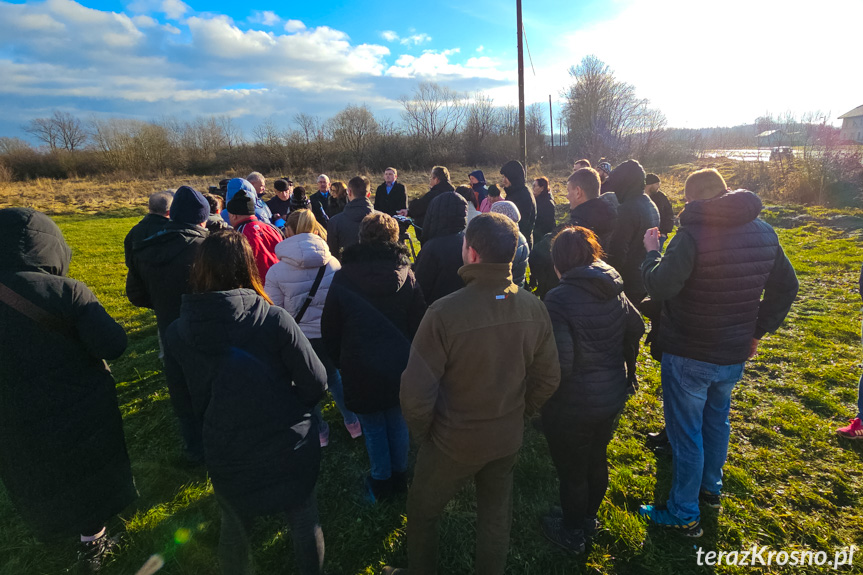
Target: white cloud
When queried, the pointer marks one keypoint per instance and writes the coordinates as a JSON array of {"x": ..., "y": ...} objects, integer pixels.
[
  {"x": 416, "y": 39},
  {"x": 294, "y": 26},
  {"x": 173, "y": 9},
  {"x": 436, "y": 65},
  {"x": 389, "y": 36},
  {"x": 265, "y": 18},
  {"x": 480, "y": 48}
]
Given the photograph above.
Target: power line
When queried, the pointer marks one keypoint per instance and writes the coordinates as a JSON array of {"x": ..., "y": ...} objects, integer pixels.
[{"x": 523, "y": 31}]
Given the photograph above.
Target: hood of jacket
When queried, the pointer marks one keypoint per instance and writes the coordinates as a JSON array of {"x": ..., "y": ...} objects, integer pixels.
[
  {"x": 32, "y": 242},
  {"x": 447, "y": 214},
  {"x": 377, "y": 268},
  {"x": 304, "y": 251},
  {"x": 598, "y": 279},
  {"x": 480, "y": 177},
  {"x": 728, "y": 210},
  {"x": 219, "y": 320},
  {"x": 626, "y": 181},
  {"x": 163, "y": 247},
  {"x": 597, "y": 214},
  {"x": 514, "y": 172}
]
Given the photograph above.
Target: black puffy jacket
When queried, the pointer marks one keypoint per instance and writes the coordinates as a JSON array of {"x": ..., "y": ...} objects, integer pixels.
[
  {"x": 373, "y": 309},
  {"x": 545, "y": 221},
  {"x": 440, "y": 258},
  {"x": 63, "y": 456},
  {"x": 161, "y": 266},
  {"x": 150, "y": 225},
  {"x": 597, "y": 331},
  {"x": 343, "y": 230},
  {"x": 723, "y": 280},
  {"x": 239, "y": 356},
  {"x": 417, "y": 208}
]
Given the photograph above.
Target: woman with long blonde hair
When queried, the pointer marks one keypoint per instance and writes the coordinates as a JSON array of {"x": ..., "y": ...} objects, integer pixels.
[{"x": 299, "y": 282}]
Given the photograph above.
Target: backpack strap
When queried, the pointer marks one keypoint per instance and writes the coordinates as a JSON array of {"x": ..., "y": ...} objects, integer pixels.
[
  {"x": 29, "y": 309},
  {"x": 312, "y": 292}
]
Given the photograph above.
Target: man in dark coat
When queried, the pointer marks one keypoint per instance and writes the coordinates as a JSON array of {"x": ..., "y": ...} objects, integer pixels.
[
  {"x": 439, "y": 182},
  {"x": 344, "y": 228},
  {"x": 158, "y": 278},
  {"x": 280, "y": 204},
  {"x": 517, "y": 193},
  {"x": 635, "y": 215},
  {"x": 724, "y": 282},
  {"x": 159, "y": 206},
  {"x": 588, "y": 209},
  {"x": 660, "y": 200},
  {"x": 391, "y": 196},
  {"x": 438, "y": 262},
  {"x": 545, "y": 219},
  {"x": 323, "y": 205},
  {"x": 63, "y": 456}
]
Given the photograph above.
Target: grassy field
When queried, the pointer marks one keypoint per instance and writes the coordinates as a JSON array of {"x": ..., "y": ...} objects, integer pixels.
[{"x": 791, "y": 484}]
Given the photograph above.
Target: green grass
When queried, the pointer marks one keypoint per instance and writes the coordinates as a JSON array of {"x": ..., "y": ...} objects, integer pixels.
[{"x": 790, "y": 482}]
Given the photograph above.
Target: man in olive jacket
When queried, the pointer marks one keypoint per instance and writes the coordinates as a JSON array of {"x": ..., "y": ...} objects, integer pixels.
[{"x": 465, "y": 402}]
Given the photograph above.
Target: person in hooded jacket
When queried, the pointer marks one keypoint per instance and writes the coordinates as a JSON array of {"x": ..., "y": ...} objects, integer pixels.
[
  {"x": 597, "y": 331},
  {"x": 304, "y": 256},
  {"x": 635, "y": 215},
  {"x": 517, "y": 193},
  {"x": 437, "y": 264},
  {"x": 522, "y": 251},
  {"x": 375, "y": 287},
  {"x": 254, "y": 380},
  {"x": 158, "y": 278},
  {"x": 158, "y": 207},
  {"x": 240, "y": 185},
  {"x": 343, "y": 228},
  {"x": 63, "y": 457},
  {"x": 478, "y": 185}
]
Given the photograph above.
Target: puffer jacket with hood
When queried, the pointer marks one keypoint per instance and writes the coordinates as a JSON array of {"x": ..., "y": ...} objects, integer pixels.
[
  {"x": 254, "y": 380},
  {"x": 417, "y": 208},
  {"x": 480, "y": 189},
  {"x": 63, "y": 456},
  {"x": 523, "y": 199},
  {"x": 440, "y": 258},
  {"x": 597, "y": 331},
  {"x": 290, "y": 280},
  {"x": 161, "y": 266},
  {"x": 377, "y": 288},
  {"x": 635, "y": 215}
]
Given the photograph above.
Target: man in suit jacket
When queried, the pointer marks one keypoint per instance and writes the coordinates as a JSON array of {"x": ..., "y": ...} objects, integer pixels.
[{"x": 391, "y": 196}]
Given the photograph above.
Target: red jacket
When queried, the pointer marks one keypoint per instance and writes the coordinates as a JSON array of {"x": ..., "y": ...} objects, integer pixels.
[{"x": 263, "y": 239}]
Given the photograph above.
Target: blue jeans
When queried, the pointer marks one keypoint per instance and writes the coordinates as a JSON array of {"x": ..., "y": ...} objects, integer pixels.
[
  {"x": 697, "y": 398},
  {"x": 387, "y": 441},
  {"x": 334, "y": 383}
]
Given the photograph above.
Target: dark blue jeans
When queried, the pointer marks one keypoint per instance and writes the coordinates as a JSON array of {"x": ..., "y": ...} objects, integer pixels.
[
  {"x": 697, "y": 398},
  {"x": 387, "y": 441}
]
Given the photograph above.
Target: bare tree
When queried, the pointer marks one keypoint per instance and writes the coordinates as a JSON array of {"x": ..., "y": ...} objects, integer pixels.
[
  {"x": 44, "y": 130},
  {"x": 433, "y": 112},
  {"x": 354, "y": 128},
  {"x": 61, "y": 131}
]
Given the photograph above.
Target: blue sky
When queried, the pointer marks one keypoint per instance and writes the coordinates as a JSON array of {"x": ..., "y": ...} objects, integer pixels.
[{"x": 701, "y": 63}]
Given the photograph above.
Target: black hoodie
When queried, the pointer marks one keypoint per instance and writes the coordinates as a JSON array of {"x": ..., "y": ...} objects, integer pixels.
[
  {"x": 523, "y": 199},
  {"x": 373, "y": 309},
  {"x": 438, "y": 262}
]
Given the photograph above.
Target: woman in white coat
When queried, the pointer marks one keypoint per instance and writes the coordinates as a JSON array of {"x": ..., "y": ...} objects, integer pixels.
[{"x": 299, "y": 283}]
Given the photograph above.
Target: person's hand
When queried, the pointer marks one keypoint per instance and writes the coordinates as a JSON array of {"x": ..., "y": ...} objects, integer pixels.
[
  {"x": 651, "y": 240},
  {"x": 753, "y": 347},
  {"x": 402, "y": 212}
]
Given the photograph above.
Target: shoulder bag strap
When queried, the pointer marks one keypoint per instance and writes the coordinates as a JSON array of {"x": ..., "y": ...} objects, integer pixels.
[{"x": 312, "y": 292}]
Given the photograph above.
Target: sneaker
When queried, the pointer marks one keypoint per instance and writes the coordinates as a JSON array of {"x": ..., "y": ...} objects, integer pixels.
[
  {"x": 378, "y": 489},
  {"x": 660, "y": 515},
  {"x": 712, "y": 500},
  {"x": 852, "y": 431},
  {"x": 571, "y": 540},
  {"x": 93, "y": 555},
  {"x": 324, "y": 435},
  {"x": 355, "y": 429},
  {"x": 658, "y": 441}
]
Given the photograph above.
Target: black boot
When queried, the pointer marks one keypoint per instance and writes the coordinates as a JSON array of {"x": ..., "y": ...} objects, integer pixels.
[
  {"x": 379, "y": 489},
  {"x": 399, "y": 482}
]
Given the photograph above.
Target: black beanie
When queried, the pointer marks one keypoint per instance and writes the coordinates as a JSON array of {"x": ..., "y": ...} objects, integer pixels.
[
  {"x": 241, "y": 205},
  {"x": 514, "y": 172},
  {"x": 651, "y": 179},
  {"x": 281, "y": 185},
  {"x": 189, "y": 206}
]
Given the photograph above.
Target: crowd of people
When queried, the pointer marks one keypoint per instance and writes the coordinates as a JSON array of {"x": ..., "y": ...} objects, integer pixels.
[{"x": 264, "y": 306}]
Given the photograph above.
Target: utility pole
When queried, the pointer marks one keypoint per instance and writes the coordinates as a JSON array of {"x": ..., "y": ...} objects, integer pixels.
[
  {"x": 522, "y": 133},
  {"x": 551, "y": 127}
]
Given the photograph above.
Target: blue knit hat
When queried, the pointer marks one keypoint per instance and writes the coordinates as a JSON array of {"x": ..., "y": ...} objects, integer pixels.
[
  {"x": 238, "y": 184},
  {"x": 189, "y": 206}
]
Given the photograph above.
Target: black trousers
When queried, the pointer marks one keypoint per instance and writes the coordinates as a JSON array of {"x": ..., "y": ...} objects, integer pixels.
[{"x": 579, "y": 451}]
